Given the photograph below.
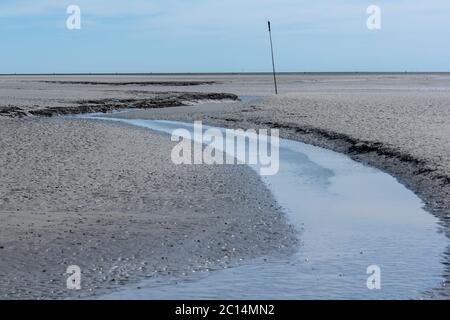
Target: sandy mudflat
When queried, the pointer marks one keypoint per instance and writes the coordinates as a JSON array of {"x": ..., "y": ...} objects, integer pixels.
[
  {"x": 398, "y": 123},
  {"x": 54, "y": 95},
  {"x": 74, "y": 188},
  {"x": 406, "y": 131},
  {"x": 107, "y": 197}
]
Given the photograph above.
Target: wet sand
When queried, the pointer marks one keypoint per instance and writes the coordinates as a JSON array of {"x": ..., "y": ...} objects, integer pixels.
[
  {"x": 107, "y": 197},
  {"x": 398, "y": 123}
]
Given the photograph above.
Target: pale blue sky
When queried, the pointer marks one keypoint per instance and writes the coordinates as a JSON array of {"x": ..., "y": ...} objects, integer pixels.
[{"x": 223, "y": 36}]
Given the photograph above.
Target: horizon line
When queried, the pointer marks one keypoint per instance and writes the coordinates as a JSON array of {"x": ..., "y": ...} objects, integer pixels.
[{"x": 218, "y": 73}]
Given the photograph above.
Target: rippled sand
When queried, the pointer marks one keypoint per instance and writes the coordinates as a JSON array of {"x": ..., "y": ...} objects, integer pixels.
[{"x": 107, "y": 197}]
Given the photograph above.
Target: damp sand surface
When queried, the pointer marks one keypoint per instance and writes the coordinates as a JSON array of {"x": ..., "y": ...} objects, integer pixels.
[
  {"x": 394, "y": 122},
  {"x": 106, "y": 197},
  {"x": 349, "y": 216}
]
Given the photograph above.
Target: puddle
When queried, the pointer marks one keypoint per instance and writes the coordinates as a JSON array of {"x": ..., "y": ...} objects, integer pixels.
[{"x": 350, "y": 216}]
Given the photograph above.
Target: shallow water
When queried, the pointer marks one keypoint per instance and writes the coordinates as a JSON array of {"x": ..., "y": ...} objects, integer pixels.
[{"x": 350, "y": 216}]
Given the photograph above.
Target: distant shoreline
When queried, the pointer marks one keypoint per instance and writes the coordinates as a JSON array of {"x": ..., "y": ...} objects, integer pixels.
[{"x": 226, "y": 73}]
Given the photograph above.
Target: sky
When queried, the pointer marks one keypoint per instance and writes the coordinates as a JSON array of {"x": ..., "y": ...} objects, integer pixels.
[{"x": 223, "y": 36}]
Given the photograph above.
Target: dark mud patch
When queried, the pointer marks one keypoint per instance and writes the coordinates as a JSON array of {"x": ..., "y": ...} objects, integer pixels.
[
  {"x": 157, "y": 100},
  {"x": 137, "y": 83}
]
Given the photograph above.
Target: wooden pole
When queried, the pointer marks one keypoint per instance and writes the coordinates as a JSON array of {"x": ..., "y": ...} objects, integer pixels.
[{"x": 273, "y": 59}]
